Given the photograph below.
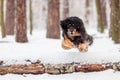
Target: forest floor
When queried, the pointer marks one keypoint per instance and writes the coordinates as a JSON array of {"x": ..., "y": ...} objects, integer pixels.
[{"x": 49, "y": 51}]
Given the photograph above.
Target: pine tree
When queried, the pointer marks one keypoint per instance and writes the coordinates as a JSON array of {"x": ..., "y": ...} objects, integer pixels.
[
  {"x": 0, "y": 13},
  {"x": 87, "y": 12},
  {"x": 2, "y": 18},
  {"x": 31, "y": 16},
  {"x": 115, "y": 21},
  {"x": 10, "y": 17},
  {"x": 99, "y": 17},
  {"x": 103, "y": 10},
  {"x": 65, "y": 9},
  {"x": 21, "y": 23},
  {"x": 53, "y": 29}
]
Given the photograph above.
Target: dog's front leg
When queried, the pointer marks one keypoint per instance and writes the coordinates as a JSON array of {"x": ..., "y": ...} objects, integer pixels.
[
  {"x": 83, "y": 47},
  {"x": 67, "y": 44}
]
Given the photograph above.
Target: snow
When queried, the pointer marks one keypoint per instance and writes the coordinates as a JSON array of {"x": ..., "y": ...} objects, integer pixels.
[
  {"x": 104, "y": 75},
  {"x": 50, "y": 51}
]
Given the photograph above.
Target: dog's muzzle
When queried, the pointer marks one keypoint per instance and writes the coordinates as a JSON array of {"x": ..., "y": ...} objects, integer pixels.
[{"x": 71, "y": 30}]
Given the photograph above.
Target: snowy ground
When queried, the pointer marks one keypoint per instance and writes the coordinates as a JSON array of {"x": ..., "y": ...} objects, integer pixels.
[
  {"x": 105, "y": 75},
  {"x": 50, "y": 51}
]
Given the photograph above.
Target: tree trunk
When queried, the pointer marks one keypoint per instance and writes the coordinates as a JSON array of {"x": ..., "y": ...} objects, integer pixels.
[
  {"x": 65, "y": 9},
  {"x": 115, "y": 21},
  {"x": 21, "y": 23},
  {"x": 10, "y": 17},
  {"x": 39, "y": 68},
  {"x": 110, "y": 31},
  {"x": 0, "y": 13},
  {"x": 104, "y": 17},
  {"x": 34, "y": 68},
  {"x": 2, "y": 18},
  {"x": 53, "y": 29},
  {"x": 87, "y": 11},
  {"x": 99, "y": 17},
  {"x": 31, "y": 17}
]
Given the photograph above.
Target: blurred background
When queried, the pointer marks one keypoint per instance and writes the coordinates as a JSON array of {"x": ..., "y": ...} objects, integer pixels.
[{"x": 23, "y": 17}]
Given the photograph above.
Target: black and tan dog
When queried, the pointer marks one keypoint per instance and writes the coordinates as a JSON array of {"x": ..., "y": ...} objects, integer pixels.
[{"x": 75, "y": 35}]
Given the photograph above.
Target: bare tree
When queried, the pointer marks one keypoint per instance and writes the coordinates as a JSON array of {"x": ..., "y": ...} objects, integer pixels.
[
  {"x": 65, "y": 8},
  {"x": 99, "y": 16},
  {"x": 31, "y": 17},
  {"x": 2, "y": 18},
  {"x": 10, "y": 17},
  {"x": 21, "y": 23},
  {"x": 0, "y": 12},
  {"x": 103, "y": 10},
  {"x": 53, "y": 29},
  {"x": 87, "y": 12},
  {"x": 115, "y": 21}
]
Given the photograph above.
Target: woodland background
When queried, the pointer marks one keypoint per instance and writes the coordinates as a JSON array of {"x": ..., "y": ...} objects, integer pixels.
[
  {"x": 30, "y": 40},
  {"x": 18, "y": 16}
]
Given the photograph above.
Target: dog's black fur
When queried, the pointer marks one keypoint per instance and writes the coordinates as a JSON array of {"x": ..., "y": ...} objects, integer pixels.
[{"x": 79, "y": 26}]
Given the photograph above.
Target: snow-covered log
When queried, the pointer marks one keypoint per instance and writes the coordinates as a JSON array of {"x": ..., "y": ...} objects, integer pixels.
[
  {"x": 59, "y": 68},
  {"x": 39, "y": 68},
  {"x": 90, "y": 68},
  {"x": 33, "y": 68}
]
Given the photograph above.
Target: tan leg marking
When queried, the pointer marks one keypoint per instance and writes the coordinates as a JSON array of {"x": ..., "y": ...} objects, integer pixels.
[
  {"x": 67, "y": 44},
  {"x": 83, "y": 47}
]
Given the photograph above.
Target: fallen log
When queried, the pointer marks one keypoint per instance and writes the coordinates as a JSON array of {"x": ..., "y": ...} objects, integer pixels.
[
  {"x": 59, "y": 68},
  {"x": 4, "y": 70},
  {"x": 39, "y": 68},
  {"x": 90, "y": 68},
  {"x": 34, "y": 68},
  {"x": 96, "y": 67}
]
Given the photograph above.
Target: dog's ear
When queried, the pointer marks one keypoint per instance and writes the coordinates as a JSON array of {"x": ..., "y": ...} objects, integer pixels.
[{"x": 81, "y": 27}]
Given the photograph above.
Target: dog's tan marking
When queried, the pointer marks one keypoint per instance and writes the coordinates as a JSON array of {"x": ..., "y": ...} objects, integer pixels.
[
  {"x": 75, "y": 33},
  {"x": 67, "y": 44},
  {"x": 83, "y": 47}
]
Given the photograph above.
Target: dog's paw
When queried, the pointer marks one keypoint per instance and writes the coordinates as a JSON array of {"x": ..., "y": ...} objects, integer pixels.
[
  {"x": 67, "y": 44},
  {"x": 83, "y": 47}
]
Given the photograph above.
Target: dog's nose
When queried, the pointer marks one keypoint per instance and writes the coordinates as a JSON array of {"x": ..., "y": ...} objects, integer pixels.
[{"x": 71, "y": 30}]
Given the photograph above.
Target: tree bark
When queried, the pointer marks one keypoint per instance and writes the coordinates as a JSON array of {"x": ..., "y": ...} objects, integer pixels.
[
  {"x": 99, "y": 17},
  {"x": 53, "y": 29},
  {"x": 34, "y": 68},
  {"x": 103, "y": 10},
  {"x": 39, "y": 68},
  {"x": 115, "y": 21},
  {"x": 31, "y": 17},
  {"x": 21, "y": 23},
  {"x": 10, "y": 17},
  {"x": 65, "y": 9},
  {"x": 90, "y": 68},
  {"x": 2, "y": 19},
  {"x": 0, "y": 13},
  {"x": 87, "y": 11}
]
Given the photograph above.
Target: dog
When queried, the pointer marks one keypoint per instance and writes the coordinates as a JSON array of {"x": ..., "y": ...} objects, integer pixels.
[{"x": 75, "y": 35}]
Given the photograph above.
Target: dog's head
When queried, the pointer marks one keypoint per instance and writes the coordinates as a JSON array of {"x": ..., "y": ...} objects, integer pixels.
[{"x": 73, "y": 26}]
